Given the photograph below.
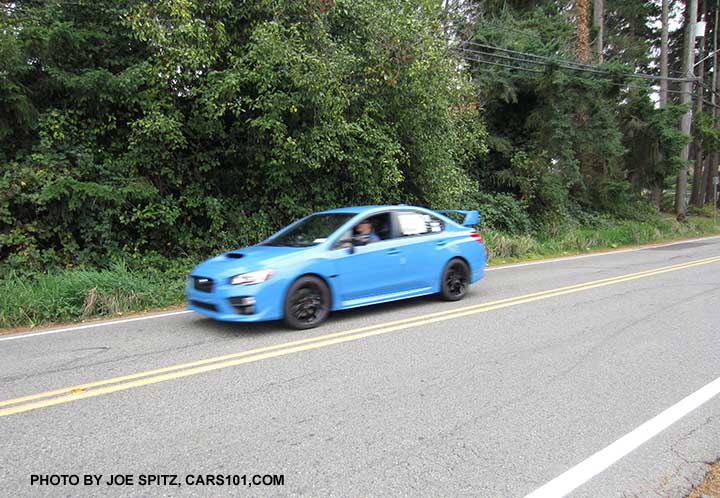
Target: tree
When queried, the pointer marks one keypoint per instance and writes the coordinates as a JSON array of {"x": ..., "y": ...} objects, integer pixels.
[
  {"x": 174, "y": 128},
  {"x": 582, "y": 49}
]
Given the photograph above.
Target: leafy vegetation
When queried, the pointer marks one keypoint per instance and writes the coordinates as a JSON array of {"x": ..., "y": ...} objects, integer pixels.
[{"x": 179, "y": 128}]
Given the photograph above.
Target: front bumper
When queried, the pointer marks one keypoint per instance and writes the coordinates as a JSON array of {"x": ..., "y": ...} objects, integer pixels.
[{"x": 237, "y": 303}]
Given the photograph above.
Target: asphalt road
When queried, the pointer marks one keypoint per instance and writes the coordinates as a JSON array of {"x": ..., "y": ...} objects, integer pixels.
[{"x": 419, "y": 398}]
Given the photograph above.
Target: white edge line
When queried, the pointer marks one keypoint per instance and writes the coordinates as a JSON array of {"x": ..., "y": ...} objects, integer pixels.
[
  {"x": 21, "y": 335},
  {"x": 594, "y": 255},
  {"x": 590, "y": 467}
]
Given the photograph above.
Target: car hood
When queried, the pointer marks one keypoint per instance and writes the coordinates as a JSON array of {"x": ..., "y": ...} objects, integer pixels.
[{"x": 248, "y": 259}]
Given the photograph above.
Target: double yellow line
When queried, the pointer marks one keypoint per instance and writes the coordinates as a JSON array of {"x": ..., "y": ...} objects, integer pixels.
[{"x": 115, "y": 384}]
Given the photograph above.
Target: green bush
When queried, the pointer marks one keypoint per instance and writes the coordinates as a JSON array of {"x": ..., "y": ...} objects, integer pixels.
[
  {"x": 219, "y": 125},
  {"x": 502, "y": 212}
]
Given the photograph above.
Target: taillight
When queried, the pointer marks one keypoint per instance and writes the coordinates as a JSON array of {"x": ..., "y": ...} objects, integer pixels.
[{"x": 477, "y": 237}]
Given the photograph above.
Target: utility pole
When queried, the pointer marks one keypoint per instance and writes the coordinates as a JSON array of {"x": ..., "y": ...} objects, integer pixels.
[
  {"x": 657, "y": 189},
  {"x": 711, "y": 168},
  {"x": 664, "y": 54},
  {"x": 696, "y": 197},
  {"x": 712, "y": 161},
  {"x": 686, "y": 99}
]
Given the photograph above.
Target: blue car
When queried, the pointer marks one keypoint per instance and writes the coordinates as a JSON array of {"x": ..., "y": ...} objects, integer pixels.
[{"x": 340, "y": 259}]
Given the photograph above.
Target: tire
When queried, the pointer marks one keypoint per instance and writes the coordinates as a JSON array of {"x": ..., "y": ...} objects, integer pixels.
[
  {"x": 455, "y": 280},
  {"x": 307, "y": 303}
]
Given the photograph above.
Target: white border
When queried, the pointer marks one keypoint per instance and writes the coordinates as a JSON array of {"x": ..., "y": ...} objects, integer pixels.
[{"x": 21, "y": 335}]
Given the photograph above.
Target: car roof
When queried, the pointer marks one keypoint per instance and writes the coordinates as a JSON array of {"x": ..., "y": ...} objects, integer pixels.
[{"x": 362, "y": 209}]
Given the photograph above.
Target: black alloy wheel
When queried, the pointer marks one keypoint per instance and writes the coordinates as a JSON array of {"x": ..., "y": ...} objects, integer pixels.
[
  {"x": 307, "y": 303},
  {"x": 455, "y": 280}
]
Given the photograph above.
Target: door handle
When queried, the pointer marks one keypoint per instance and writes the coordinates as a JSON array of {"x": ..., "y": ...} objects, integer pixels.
[
  {"x": 393, "y": 251},
  {"x": 441, "y": 243}
]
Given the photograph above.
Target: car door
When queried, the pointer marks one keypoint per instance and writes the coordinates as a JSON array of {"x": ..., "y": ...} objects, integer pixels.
[
  {"x": 421, "y": 238},
  {"x": 369, "y": 273}
]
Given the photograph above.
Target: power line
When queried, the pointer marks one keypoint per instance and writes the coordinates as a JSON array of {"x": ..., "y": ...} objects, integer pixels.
[
  {"x": 518, "y": 52},
  {"x": 507, "y": 66},
  {"x": 533, "y": 70},
  {"x": 565, "y": 64}
]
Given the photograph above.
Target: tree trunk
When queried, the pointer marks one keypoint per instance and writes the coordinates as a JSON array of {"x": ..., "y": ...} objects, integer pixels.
[
  {"x": 697, "y": 194},
  {"x": 582, "y": 48},
  {"x": 599, "y": 25},
  {"x": 686, "y": 99}
]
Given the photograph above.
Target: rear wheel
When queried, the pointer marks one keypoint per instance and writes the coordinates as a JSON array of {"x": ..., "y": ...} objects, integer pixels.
[
  {"x": 307, "y": 303},
  {"x": 455, "y": 280}
]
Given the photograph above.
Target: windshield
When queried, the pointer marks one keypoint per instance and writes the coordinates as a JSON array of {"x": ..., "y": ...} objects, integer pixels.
[{"x": 311, "y": 231}]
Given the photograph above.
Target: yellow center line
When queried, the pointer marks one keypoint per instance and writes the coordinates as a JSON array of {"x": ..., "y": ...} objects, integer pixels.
[{"x": 115, "y": 384}]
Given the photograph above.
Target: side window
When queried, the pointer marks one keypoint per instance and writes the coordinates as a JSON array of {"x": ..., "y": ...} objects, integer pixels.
[
  {"x": 411, "y": 223},
  {"x": 345, "y": 240},
  {"x": 371, "y": 229}
]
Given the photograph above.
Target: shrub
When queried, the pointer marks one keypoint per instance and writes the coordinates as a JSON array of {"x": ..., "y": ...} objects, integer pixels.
[{"x": 502, "y": 212}]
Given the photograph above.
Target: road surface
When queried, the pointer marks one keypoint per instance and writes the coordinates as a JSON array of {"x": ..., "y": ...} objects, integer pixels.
[{"x": 568, "y": 376}]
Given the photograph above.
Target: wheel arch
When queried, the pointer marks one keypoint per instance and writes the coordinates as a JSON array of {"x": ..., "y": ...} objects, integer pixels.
[
  {"x": 461, "y": 258},
  {"x": 320, "y": 277}
]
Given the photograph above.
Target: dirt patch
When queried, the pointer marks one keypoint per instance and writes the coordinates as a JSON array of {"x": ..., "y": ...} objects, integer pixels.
[{"x": 710, "y": 487}]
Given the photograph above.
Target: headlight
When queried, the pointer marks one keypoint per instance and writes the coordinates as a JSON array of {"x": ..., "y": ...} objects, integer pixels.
[{"x": 254, "y": 277}]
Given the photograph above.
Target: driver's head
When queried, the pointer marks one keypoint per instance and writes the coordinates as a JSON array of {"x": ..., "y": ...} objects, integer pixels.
[{"x": 364, "y": 227}]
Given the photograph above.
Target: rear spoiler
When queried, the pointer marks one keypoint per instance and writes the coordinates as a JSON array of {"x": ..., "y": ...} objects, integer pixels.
[{"x": 471, "y": 217}]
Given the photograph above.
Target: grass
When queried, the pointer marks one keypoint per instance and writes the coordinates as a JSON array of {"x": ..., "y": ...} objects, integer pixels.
[
  {"x": 78, "y": 294},
  {"x": 503, "y": 248}
]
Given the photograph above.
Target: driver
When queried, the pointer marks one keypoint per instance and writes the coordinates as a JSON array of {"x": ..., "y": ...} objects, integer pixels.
[{"x": 365, "y": 230}]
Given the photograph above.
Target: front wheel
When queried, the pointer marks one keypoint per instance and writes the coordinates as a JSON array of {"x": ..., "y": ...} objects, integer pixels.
[
  {"x": 455, "y": 280},
  {"x": 307, "y": 303}
]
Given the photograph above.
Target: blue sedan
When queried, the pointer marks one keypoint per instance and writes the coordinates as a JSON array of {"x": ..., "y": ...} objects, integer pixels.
[{"x": 340, "y": 259}]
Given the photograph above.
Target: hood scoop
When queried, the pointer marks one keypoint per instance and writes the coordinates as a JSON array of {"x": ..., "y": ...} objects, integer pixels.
[{"x": 235, "y": 255}]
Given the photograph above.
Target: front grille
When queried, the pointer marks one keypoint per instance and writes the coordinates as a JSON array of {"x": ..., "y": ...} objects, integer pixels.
[
  {"x": 205, "y": 306},
  {"x": 203, "y": 284}
]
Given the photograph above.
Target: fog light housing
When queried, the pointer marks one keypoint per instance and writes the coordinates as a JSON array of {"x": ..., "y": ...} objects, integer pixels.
[{"x": 245, "y": 305}]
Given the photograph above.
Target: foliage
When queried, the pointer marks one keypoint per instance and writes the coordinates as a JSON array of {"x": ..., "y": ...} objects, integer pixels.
[
  {"x": 652, "y": 140},
  {"x": 170, "y": 129},
  {"x": 502, "y": 212},
  {"x": 187, "y": 127}
]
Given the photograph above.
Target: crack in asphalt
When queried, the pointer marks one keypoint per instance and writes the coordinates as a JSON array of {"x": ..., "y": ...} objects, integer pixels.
[{"x": 68, "y": 365}]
